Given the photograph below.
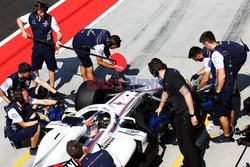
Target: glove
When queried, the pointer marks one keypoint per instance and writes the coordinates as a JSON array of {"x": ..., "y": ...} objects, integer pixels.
[
  {"x": 60, "y": 104},
  {"x": 194, "y": 88},
  {"x": 194, "y": 77},
  {"x": 59, "y": 95},
  {"x": 216, "y": 97}
]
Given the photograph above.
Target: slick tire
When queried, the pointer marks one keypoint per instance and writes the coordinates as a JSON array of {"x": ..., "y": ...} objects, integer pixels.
[{"x": 87, "y": 94}]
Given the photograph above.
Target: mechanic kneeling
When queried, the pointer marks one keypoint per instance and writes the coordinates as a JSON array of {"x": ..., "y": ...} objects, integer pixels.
[
  {"x": 21, "y": 122},
  {"x": 176, "y": 89}
]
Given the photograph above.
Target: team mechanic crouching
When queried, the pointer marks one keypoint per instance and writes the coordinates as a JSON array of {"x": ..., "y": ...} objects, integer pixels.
[
  {"x": 101, "y": 41},
  {"x": 23, "y": 79},
  {"x": 22, "y": 122}
]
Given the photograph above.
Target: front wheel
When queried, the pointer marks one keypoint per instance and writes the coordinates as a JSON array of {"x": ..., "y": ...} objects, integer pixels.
[{"x": 88, "y": 94}]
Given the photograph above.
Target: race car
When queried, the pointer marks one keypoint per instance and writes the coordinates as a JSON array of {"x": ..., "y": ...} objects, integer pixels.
[{"x": 119, "y": 123}]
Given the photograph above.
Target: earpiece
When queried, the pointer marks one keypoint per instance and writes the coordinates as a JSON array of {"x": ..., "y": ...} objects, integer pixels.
[
  {"x": 113, "y": 40},
  {"x": 18, "y": 96},
  {"x": 152, "y": 70},
  {"x": 25, "y": 69},
  {"x": 155, "y": 65},
  {"x": 109, "y": 43}
]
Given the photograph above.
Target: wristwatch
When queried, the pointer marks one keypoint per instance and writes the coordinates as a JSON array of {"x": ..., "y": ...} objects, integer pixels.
[{"x": 191, "y": 115}]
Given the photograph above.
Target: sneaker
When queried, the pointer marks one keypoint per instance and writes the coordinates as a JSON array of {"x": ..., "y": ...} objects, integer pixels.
[
  {"x": 33, "y": 151},
  {"x": 222, "y": 139}
]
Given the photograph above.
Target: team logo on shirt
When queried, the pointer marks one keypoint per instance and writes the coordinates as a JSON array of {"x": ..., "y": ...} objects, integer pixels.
[
  {"x": 27, "y": 82},
  {"x": 33, "y": 22},
  {"x": 45, "y": 24}
]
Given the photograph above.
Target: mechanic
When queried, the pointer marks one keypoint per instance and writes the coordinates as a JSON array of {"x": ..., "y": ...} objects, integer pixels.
[
  {"x": 101, "y": 158},
  {"x": 226, "y": 61},
  {"x": 201, "y": 55},
  {"x": 101, "y": 41},
  {"x": 42, "y": 24},
  {"x": 22, "y": 121},
  {"x": 176, "y": 89},
  {"x": 198, "y": 54},
  {"x": 22, "y": 79}
]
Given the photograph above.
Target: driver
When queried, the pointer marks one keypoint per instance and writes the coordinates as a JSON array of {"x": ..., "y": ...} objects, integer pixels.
[
  {"x": 101, "y": 158},
  {"x": 101, "y": 41}
]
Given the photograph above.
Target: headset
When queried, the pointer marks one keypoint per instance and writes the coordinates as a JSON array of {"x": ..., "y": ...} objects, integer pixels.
[
  {"x": 41, "y": 6},
  {"x": 24, "y": 67},
  {"x": 113, "y": 40},
  {"x": 18, "y": 95},
  {"x": 152, "y": 70},
  {"x": 152, "y": 65}
]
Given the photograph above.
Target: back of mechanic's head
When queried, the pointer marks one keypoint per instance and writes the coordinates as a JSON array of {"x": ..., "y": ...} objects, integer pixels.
[
  {"x": 24, "y": 67},
  {"x": 207, "y": 36},
  {"x": 194, "y": 51},
  {"x": 157, "y": 64},
  {"x": 74, "y": 149}
]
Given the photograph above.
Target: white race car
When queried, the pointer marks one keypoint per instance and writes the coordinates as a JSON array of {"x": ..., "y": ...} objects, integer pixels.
[{"x": 119, "y": 125}]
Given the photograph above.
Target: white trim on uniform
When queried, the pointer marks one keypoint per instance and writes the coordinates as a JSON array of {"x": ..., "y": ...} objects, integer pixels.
[
  {"x": 14, "y": 116},
  {"x": 207, "y": 64},
  {"x": 218, "y": 60}
]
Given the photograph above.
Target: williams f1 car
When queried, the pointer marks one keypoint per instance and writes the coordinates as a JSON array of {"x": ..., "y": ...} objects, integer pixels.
[{"x": 113, "y": 119}]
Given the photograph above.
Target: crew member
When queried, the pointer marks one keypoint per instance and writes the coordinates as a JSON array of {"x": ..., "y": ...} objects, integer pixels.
[
  {"x": 101, "y": 41},
  {"x": 100, "y": 158},
  {"x": 201, "y": 55},
  {"x": 42, "y": 24},
  {"x": 22, "y": 79},
  {"x": 226, "y": 61},
  {"x": 176, "y": 89},
  {"x": 21, "y": 121}
]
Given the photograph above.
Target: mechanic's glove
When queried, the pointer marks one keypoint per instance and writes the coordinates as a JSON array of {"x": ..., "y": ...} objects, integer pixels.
[
  {"x": 194, "y": 88},
  {"x": 216, "y": 97},
  {"x": 194, "y": 77},
  {"x": 60, "y": 103},
  {"x": 59, "y": 95}
]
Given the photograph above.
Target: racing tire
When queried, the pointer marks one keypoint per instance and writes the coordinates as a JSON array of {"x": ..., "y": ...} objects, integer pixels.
[{"x": 88, "y": 94}]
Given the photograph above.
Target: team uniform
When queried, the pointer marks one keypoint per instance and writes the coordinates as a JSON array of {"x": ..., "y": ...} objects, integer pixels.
[
  {"x": 185, "y": 131},
  {"x": 42, "y": 30},
  {"x": 207, "y": 59},
  {"x": 16, "y": 114},
  {"x": 87, "y": 39},
  {"x": 230, "y": 56},
  {"x": 100, "y": 158},
  {"x": 13, "y": 82}
]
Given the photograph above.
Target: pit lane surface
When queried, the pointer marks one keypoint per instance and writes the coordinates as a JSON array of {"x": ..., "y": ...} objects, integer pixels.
[{"x": 165, "y": 29}]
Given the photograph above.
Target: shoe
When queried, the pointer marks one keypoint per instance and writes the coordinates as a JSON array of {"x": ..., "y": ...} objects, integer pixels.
[
  {"x": 33, "y": 151},
  {"x": 222, "y": 139}
]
